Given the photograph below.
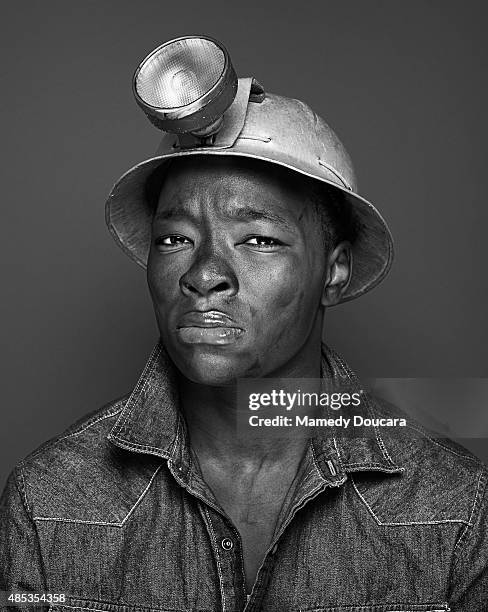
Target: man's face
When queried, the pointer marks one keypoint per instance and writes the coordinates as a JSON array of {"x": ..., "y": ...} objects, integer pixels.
[{"x": 236, "y": 268}]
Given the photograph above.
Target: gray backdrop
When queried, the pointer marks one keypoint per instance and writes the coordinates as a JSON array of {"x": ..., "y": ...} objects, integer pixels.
[{"x": 403, "y": 84}]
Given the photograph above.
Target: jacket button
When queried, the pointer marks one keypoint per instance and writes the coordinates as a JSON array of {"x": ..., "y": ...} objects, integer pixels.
[{"x": 227, "y": 543}]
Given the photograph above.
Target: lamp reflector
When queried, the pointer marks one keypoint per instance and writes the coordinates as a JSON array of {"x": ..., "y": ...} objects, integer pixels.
[
  {"x": 180, "y": 73},
  {"x": 186, "y": 85}
]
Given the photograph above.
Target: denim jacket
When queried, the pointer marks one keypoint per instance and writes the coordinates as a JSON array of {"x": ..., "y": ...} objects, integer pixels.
[{"x": 114, "y": 514}]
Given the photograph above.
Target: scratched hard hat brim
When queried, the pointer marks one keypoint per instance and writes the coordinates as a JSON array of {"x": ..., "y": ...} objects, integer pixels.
[{"x": 281, "y": 131}]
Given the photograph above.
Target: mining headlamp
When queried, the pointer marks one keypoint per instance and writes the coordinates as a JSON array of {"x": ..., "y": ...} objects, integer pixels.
[{"x": 186, "y": 85}]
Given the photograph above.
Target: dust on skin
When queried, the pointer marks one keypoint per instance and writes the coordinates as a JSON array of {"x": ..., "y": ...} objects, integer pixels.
[{"x": 276, "y": 296}]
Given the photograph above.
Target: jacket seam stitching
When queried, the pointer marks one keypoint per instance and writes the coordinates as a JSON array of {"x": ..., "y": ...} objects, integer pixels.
[
  {"x": 381, "y": 444},
  {"x": 81, "y": 608},
  {"x": 406, "y": 523},
  {"x": 135, "y": 446},
  {"x": 445, "y": 607},
  {"x": 379, "y": 439},
  {"x": 373, "y": 465},
  {"x": 141, "y": 496},
  {"x": 143, "y": 608},
  {"x": 21, "y": 486},
  {"x": 78, "y": 522},
  {"x": 49, "y": 443},
  {"x": 121, "y": 524},
  {"x": 450, "y": 450},
  {"x": 86, "y": 426},
  {"x": 176, "y": 440},
  {"x": 476, "y": 502},
  {"x": 23, "y": 490}
]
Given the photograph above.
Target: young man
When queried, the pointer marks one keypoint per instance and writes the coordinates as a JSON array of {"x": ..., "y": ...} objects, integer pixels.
[{"x": 156, "y": 502}]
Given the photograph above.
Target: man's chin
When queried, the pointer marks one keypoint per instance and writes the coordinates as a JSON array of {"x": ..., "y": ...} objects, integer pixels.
[
  {"x": 208, "y": 366},
  {"x": 210, "y": 376}
]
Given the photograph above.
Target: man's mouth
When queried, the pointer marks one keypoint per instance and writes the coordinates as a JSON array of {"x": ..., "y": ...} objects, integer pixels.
[{"x": 208, "y": 327}]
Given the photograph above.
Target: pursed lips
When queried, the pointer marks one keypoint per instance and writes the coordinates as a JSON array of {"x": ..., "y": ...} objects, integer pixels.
[{"x": 208, "y": 327}]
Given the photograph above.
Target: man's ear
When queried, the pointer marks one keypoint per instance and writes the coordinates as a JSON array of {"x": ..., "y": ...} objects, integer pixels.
[{"x": 339, "y": 268}]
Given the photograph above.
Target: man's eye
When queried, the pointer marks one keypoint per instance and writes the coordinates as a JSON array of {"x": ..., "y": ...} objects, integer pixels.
[
  {"x": 174, "y": 240},
  {"x": 263, "y": 242}
]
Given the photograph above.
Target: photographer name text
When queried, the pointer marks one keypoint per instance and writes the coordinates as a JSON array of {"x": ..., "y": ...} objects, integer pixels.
[{"x": 306, "y": 421}]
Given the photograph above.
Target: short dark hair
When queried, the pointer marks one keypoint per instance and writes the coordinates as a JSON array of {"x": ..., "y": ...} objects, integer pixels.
[
  {"x": 154, "y": 184},
  {"x": 334, "y": 211}
]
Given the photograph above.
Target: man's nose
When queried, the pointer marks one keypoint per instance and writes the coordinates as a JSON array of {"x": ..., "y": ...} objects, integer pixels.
[{"x": 211, "y": 273}]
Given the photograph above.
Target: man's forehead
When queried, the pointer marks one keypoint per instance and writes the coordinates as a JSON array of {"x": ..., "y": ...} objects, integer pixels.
[
  {"x": 226, "y": 170},
  {"x": 237, "y": 187}
]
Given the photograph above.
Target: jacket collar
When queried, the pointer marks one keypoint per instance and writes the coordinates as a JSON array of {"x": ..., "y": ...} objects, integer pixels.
[{"x": 150, "y": 422}]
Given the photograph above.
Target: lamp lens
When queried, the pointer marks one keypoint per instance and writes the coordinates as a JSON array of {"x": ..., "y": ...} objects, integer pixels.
[{"x": 180, "y": 73}]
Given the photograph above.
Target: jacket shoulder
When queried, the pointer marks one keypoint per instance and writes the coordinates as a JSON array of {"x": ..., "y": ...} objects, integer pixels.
[
  {"x": 77, "y": 475},
  {"x": 90, "y": 426},
  {"x": 441, "y": 480}
]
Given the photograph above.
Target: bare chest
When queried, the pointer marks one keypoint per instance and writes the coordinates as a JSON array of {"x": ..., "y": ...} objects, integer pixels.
[{"x": 256, "y": 522}]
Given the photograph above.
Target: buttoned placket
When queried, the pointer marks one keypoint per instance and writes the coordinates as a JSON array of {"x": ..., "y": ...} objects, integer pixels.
[
  {"x": 319, "y": 470},
  {"x": 223, "y": 535}
]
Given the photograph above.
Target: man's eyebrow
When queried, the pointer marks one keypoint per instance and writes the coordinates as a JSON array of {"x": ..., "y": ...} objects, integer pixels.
[
  {"x": 250, "y": 213},
  {"x": 172, "y": 213},
  {"x": 244, "y": 213}
]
